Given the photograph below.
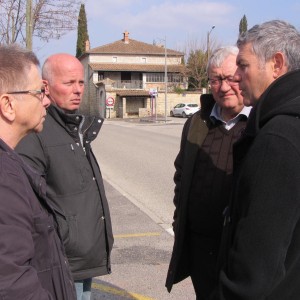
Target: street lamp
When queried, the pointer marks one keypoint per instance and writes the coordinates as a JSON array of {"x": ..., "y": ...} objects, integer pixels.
[
  {"x": 208, "y": 46},
  {"x": 208, "y": 34},
  {"x": 166, "y": 80}
]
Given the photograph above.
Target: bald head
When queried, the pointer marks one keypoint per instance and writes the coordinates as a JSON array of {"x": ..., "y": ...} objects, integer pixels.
[
  {"x": 58, "y": 63},
  {"x": 64, "y": 81}
]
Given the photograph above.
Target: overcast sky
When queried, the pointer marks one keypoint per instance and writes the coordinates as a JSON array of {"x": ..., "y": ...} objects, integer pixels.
[{"x": 179, "y": 22}]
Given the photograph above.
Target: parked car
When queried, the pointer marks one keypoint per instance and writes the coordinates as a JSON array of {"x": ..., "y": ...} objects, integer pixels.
[{"x": 184, "y": 109}]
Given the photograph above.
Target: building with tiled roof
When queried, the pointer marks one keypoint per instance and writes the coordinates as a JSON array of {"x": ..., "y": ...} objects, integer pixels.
[
  {"x": 132, "y": 73},
  {"x": 130, "y": 46}
]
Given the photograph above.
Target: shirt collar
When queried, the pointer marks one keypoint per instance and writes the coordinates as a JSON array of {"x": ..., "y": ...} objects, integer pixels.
[
  {"x": 216, "y": 112},
  {"x": 216, "y": 115}
]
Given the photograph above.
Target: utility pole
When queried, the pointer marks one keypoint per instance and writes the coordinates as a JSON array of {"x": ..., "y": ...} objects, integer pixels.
[
  {"x": 166, "y": 79},
  {"x": 29, "y": 24}
]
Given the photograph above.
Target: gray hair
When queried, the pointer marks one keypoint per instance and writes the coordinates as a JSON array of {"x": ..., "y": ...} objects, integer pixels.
[
  {"x": 219, "y": 55},
  {"x": 271, "y": 37},
  {"x": 15, "y": 62}
]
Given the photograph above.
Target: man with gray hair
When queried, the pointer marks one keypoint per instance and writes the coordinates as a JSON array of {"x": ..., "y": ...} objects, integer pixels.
[
  {"x": 203, "y": 176},
  {"x": 260, "y": 255},
  {"x": 33, "y": 264}
]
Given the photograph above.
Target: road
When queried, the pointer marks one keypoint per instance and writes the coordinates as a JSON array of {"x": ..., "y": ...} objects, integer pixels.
[{"x": 138, "y": 160}]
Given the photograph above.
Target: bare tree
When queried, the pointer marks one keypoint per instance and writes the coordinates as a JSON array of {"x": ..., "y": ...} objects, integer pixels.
[
  {"x": 196, "y": 69},
  {"x": 196, "y": 60},
  {"x": 50, "y": 19},
  {"x": 10, "y": 21}
]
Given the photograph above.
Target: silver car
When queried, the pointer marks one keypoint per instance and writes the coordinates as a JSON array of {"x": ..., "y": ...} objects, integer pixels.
[{"x": 184, "y": 109}]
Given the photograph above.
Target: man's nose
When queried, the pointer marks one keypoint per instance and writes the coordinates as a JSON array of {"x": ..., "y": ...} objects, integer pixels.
[{"x": 77, "y": 88}]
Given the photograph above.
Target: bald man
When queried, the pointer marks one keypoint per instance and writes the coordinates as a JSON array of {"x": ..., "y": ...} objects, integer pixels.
[{"x": 75, "y": 187}]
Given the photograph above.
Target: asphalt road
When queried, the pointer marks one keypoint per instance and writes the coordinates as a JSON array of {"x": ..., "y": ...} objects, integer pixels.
[{"x": 136, "y": 161}]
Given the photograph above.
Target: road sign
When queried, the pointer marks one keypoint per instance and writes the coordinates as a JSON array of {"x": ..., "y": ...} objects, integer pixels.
[
  {"x": 153, "y": 92},
  {"x": 110, "y": 101}
]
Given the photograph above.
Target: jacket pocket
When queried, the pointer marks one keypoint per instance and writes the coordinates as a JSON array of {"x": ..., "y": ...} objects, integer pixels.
[
  {"x": 68, "y": 228},
  {"x": 68, "y": 173},
  {"x": 43, "y": 236}
]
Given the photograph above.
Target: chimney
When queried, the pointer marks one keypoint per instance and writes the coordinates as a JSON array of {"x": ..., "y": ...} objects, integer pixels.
[
  {"x": 87, "y": 45},
  {"x": 126, "y": 37}
]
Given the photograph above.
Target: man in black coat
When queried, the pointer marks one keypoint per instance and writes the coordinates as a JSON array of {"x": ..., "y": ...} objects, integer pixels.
[
  {"x": 260, "y": 252},
  {"x": 33, "y": 264},
  {"x": 75, "y": 188},
  {"x": 203, "y": 176}
]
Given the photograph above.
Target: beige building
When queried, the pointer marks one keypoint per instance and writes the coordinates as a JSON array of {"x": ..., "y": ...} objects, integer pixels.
[{"x": 129, "y": 78}]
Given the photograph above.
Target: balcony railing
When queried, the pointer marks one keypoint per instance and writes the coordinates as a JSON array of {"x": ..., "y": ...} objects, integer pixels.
[
  {"x": 127, "y": 84},
  {"x": 140, "y": 85}
]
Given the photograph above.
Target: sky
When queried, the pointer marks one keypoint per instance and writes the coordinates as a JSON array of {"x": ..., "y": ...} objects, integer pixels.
[{"x": 176, "y": 23}]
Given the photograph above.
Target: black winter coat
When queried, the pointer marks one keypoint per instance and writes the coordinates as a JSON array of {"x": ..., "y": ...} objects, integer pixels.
[
  {"x": 32, "y": 260},
  {"x": 194, "y": 132},
  {"x": 261, "y": 248},
  {"x": 74, "y": 187}
]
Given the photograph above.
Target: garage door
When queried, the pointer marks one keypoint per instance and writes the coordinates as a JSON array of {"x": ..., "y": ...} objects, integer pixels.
[{"x": 133, "y": 104}]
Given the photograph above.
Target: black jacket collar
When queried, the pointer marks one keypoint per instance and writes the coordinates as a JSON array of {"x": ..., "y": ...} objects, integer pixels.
[
  {"x": 75, "y": 123},
  {"x": 282, "y": 97}
]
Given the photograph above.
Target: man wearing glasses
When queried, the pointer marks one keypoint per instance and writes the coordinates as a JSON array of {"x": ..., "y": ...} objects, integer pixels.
[
  {"x": 203, "y": 175},
  {"x": 32, "y": 260},
  {"x": 74, "y": 183}
]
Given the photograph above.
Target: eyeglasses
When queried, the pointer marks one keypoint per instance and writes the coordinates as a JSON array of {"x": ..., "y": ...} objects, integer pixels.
[
  {"x": 40, "y": 93},
  {"x": 217, "y": 82}
]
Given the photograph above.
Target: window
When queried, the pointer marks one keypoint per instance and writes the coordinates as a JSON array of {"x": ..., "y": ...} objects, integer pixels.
[
  {"x": 115, "y": 59},
  {"x": 144, "y": 60},
  {"x": 155, "y": 77},
  {"x": 125, "y": 76},
  {"x": 174, "y": 78},
  {"x": 100, "y": 76},
  {"x": 160, "y": 77}
]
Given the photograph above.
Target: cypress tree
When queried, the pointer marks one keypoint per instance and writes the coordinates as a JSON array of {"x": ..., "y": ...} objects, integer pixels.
[
  {"x": 243, "y": 25},
  {"x": 82, "y": 33}
]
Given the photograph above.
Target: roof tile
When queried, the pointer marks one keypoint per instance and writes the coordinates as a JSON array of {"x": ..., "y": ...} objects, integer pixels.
[
  {"x": 133, "y": 47},
  {"x": 135, "y": 67}
]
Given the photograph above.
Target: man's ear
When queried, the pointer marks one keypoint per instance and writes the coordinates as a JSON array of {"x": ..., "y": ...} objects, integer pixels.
[
  {"x": 279, "y": 64},
  {"x": 46, "y": 85},
  {"x": 7, "y": 107}
]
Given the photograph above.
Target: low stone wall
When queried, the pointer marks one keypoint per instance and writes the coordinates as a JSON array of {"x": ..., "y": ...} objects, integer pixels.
[
  {"x": 175, "y": 98},
  {"x": 96, "y": 106}
]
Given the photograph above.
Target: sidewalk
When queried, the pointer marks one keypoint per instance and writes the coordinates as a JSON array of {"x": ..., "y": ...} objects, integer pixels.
[
  {"x": 140, "y": 257},
  {"x": 150, "y": 120}
]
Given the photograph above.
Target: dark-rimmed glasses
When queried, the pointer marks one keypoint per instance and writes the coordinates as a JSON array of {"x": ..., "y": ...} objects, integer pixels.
[
  {"x": 40, "y": 93},
  {"x": 217, "y": 82}
]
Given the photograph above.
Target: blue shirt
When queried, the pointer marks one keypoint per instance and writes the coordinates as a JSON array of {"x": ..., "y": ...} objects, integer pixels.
[{"x": 216, "y": 115}]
